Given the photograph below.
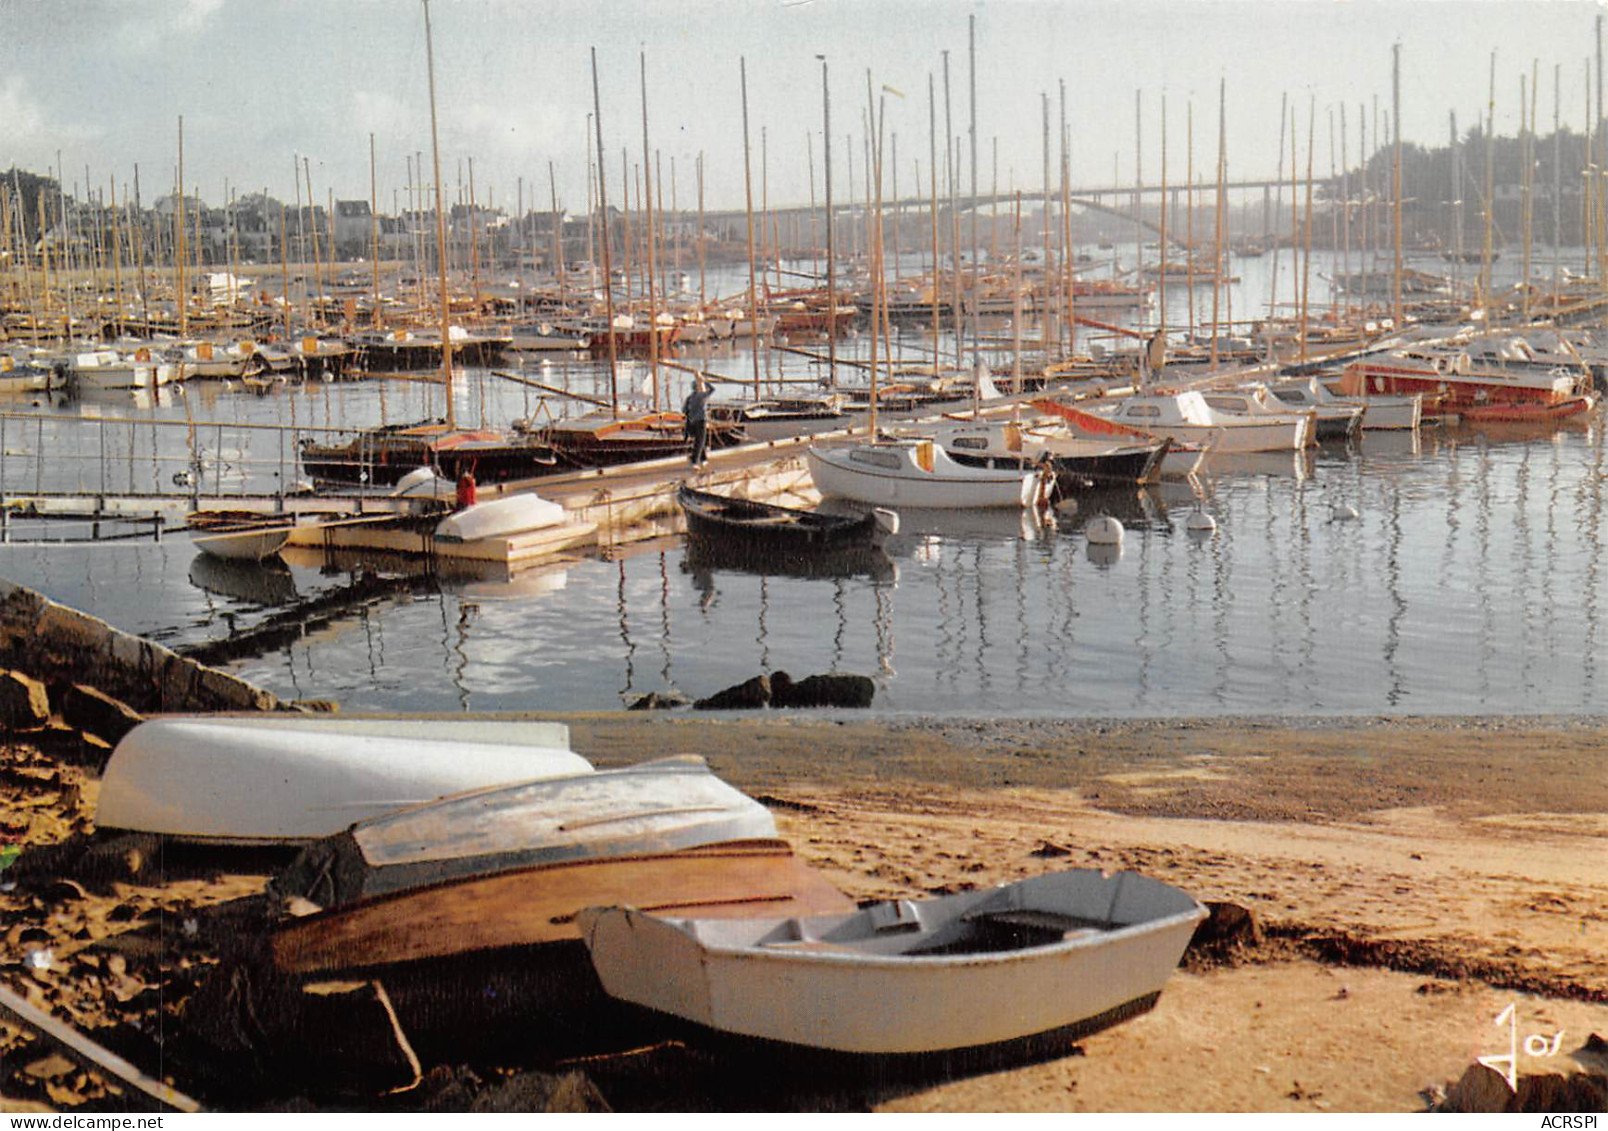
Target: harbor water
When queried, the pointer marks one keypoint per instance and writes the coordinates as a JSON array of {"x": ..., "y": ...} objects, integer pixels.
[{"x": 1453, "y": 572}]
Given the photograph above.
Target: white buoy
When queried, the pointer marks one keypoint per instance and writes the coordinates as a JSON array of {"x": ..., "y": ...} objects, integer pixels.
[
  {"x": 1344, "y": 513},
  {"x": 1199, "y": 522},
  {"x": 1103, "y": 530}
]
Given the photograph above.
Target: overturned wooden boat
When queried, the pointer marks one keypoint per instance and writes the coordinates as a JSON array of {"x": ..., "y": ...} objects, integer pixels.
[
  {"x": 282, "y": 780},
  {"x": 537, "y": 905},
  {"x": 1063, "y": 952},
  {"x": 660, "y": 806},
  {"x": 764, "y": 526}
]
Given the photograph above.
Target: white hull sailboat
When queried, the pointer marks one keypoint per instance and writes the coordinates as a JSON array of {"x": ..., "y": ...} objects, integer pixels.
[
  {"x": 1187, "y": 418},
  {"x": 919, "y": 473}
]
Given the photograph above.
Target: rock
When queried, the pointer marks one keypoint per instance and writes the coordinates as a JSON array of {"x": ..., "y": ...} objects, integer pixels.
[
  {"x": 1226, "y": 931},
  {"x": 781, "y": 688},
  {"x": 830, "y": 690},
  {"x": 660, "y": 701},
  {"x": 1553, "y": 1093},
  {"x": 1481, "y": 1089},
  {"x": 315, "y": 706},
  {"x": 87, "y": 709},
  {"x": 1593, "y": 1055},
  {"x": 753, "y": 693},
  {"x": 462, "y": 1090},
  {"x": 97, "y": 862},
  {"x": 24, "y": 703}
]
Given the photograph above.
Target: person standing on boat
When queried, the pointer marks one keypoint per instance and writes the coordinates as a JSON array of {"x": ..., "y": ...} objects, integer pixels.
[{"x": 695, "y": 420}]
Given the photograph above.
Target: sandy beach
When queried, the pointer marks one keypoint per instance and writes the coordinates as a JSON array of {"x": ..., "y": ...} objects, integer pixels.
[{"x": 1411, "y": 878}]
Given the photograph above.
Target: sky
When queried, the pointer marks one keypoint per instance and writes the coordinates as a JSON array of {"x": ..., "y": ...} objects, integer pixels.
[{"x": 261, "y": 83}]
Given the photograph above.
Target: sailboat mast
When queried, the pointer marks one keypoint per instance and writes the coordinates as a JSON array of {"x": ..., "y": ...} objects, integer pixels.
[
  {"x": 1395, "y": 124},
  {"x": 1557, "y": 184},
  {"x": 703, "y": 298},
  {"x": 831, "y": 246},
  {"x": 1189, "y": 212},
  {"x": 374, "y": 227},
  {"x": 603, "y": 232},
  {"x": 1217, "y": 241},
  {"x": 1524, "y": 186},
  {"x": 977, "y": 294},
  {"x": 284, "y": 273},
  {"x": 1490, "y": 158},
  {"x": 1306, "y": 234},
  {"x": 873, "y": 249},
  {"x": 178, "y": 257},
  {"x": 647, "y": 195},
  {"x": 1161, "y": 298},
  {"x": 748, "y": 190},
  {"x": 441, "y": 227},
  {"x": 558, "y": 235},
  {"x": 932, "y": 139}
]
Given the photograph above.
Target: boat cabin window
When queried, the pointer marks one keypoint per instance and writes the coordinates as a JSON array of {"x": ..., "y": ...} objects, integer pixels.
[
  {"x": 1291, "y": 396},
  {"x": 887, "y": 460},
  {"x": 1143, "y": 410},
  {"x": 1227, "y": 404},
  {"x": 970, "y": 443}
]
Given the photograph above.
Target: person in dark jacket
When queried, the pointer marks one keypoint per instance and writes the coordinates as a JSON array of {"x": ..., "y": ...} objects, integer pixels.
[{"x": 695, "y": 413}]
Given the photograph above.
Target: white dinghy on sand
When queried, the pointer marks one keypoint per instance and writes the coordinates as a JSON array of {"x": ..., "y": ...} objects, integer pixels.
[{"x": 981, "y": 970}]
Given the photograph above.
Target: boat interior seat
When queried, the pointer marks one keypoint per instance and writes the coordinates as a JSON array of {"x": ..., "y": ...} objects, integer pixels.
[{"x": 1037, "y": 919}]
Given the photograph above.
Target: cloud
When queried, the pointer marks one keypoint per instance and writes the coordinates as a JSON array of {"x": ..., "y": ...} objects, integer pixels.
[
  {"x": 34, "y": 136},
  {"x": 381, "y": 113},
  {"x": 149, "y": 25},
  {"x": 193, "y": 14}
]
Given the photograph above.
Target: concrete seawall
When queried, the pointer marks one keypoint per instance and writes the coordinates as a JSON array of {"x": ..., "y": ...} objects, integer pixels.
[{"x": 59, "y": 646}]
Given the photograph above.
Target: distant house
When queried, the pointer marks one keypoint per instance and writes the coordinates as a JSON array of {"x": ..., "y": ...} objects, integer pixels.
[{"x": 354, "y": 227}]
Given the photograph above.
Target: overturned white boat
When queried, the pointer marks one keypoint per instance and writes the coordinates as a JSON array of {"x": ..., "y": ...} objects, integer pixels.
[
  {"x": 660, "y": 806},
  {"x": 295, "y": 778},
  {"x": 1052, "y": 955},
  {"x": 500, "y": 518}
]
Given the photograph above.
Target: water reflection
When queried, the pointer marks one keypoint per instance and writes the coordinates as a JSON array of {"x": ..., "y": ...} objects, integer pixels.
[
  {"x": 254, "y": 583},
  {"x": 1468, "y": 583}
]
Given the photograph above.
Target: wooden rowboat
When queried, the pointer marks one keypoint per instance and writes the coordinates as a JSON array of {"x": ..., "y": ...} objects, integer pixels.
[
  {"x": 966, "y": 972},
  {"x": 539, "y": 905},
  {"x": 727, "y": 521},
  {"x": 660, "y": 806}
]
